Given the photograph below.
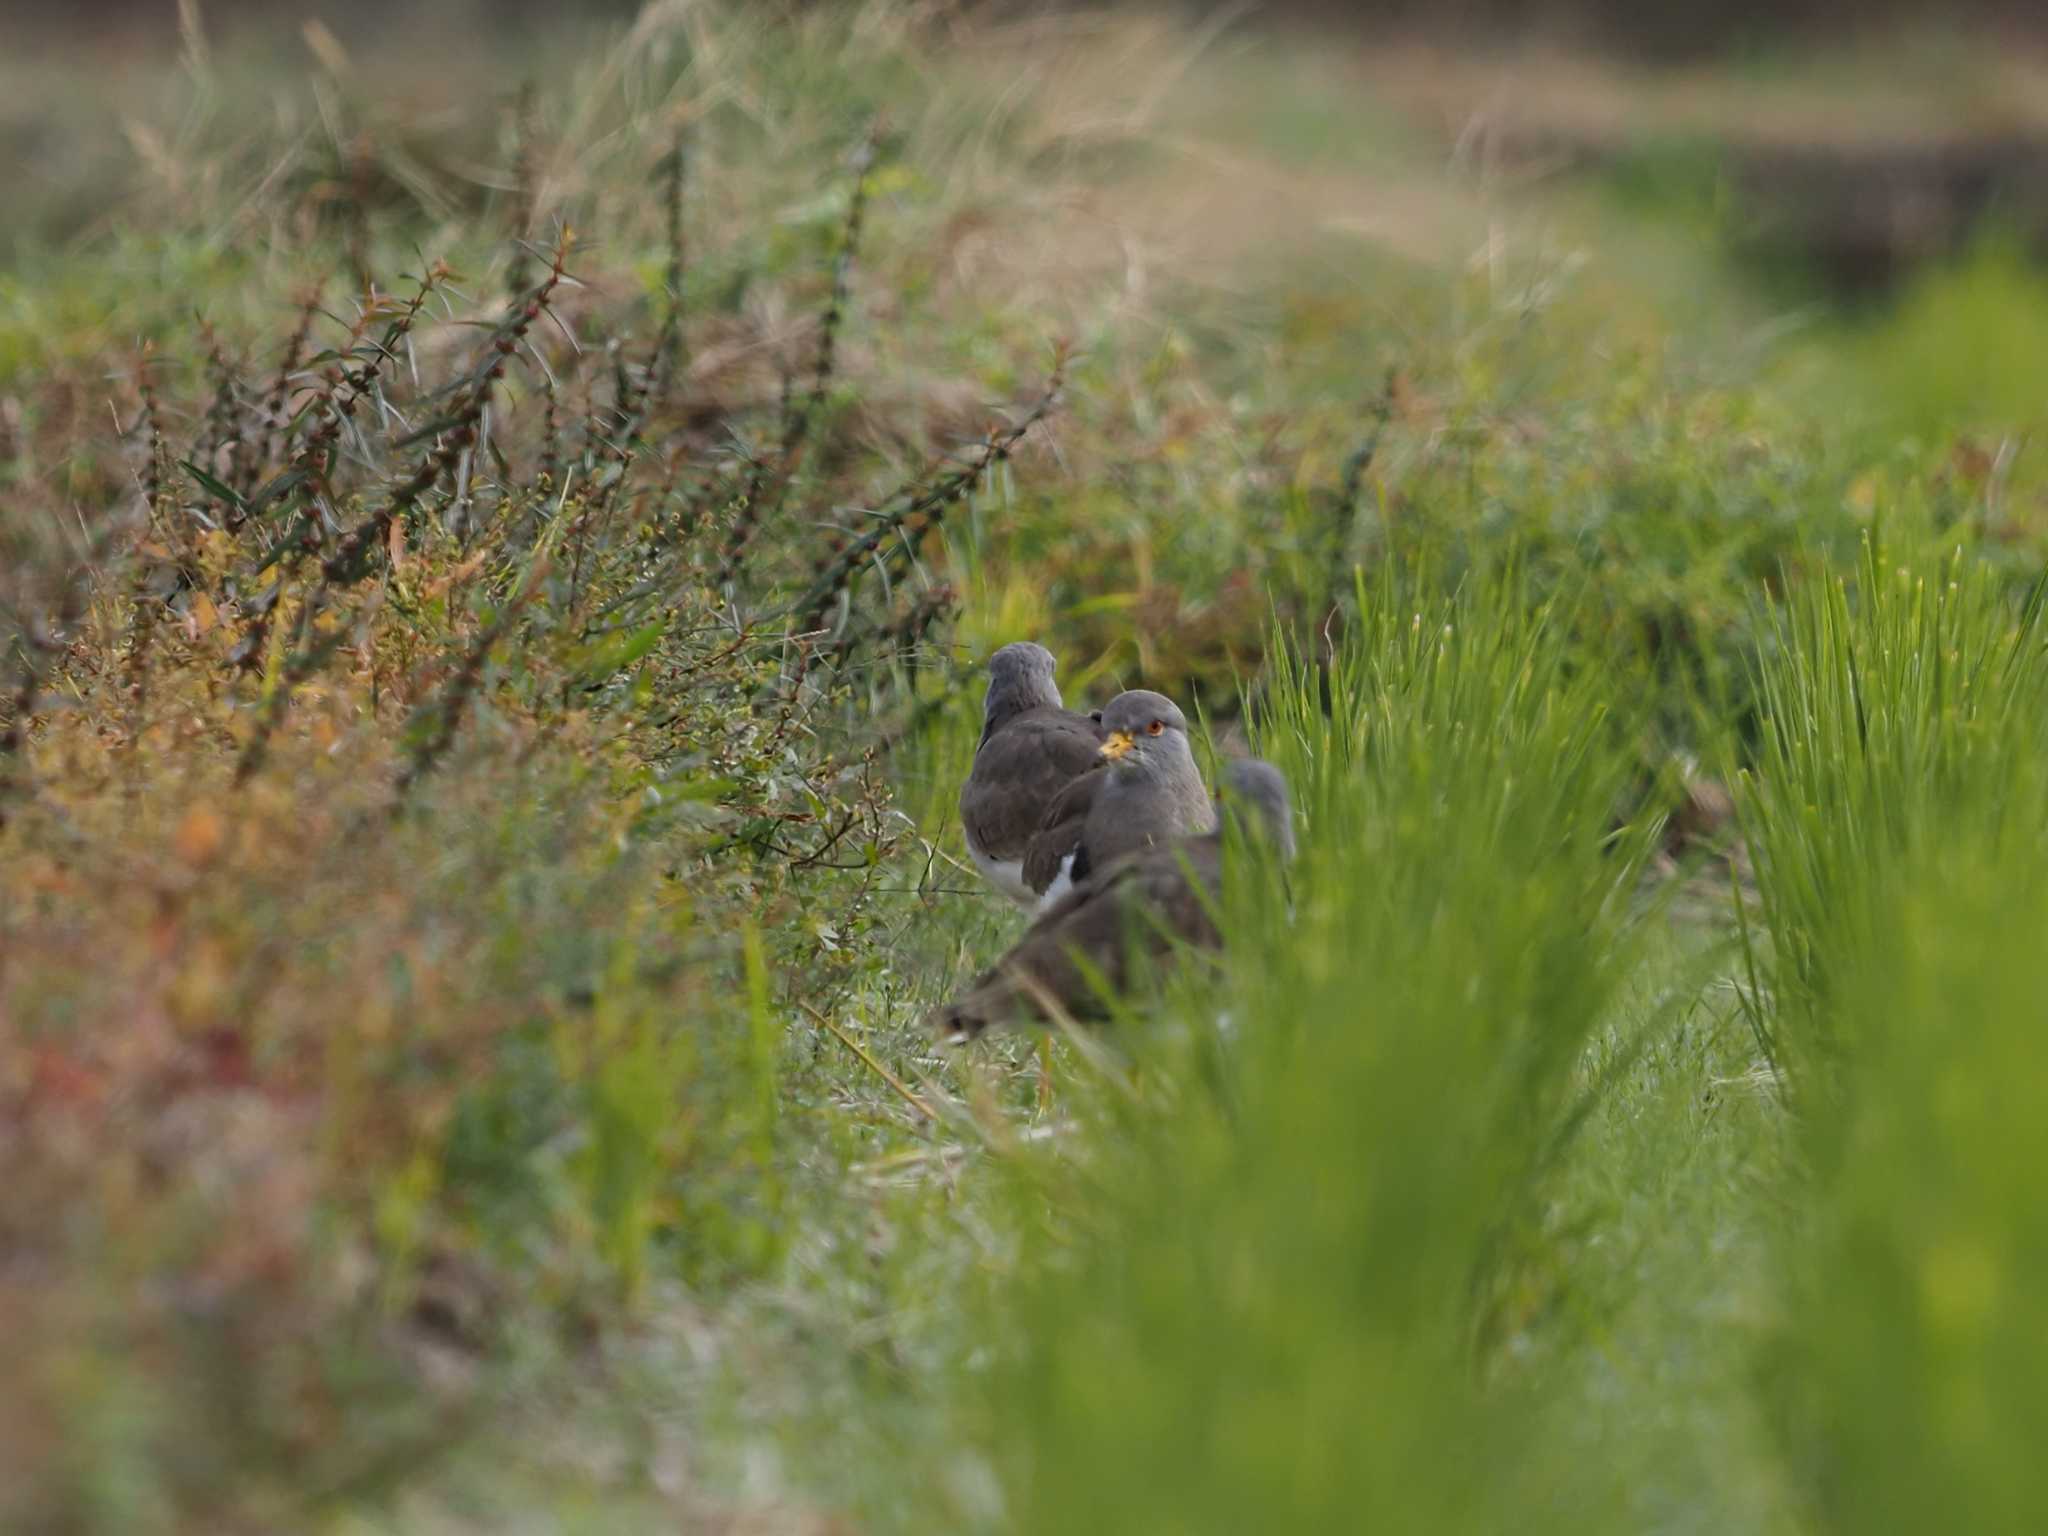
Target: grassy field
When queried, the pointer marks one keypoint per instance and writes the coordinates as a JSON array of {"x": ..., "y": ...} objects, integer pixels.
[{"x": 498, "y": 537}]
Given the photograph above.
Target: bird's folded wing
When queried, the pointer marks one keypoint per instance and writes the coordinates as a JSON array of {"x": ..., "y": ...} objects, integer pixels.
[
  {"x": 1059, "y": 829},
  {"x": 1018, "y": 771},
  {"x": 1083, "y": 943}
]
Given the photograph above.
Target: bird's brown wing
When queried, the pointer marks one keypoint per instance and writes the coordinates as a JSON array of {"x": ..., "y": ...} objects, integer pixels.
[
  {"x": 1019, "y": 771},
  {"x": 1059, "y": 830},
  {"x": 1138, "y": 905}
]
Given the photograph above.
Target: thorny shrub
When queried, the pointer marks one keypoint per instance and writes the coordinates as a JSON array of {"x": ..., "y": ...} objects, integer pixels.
[{"x": 419, "y": 783}]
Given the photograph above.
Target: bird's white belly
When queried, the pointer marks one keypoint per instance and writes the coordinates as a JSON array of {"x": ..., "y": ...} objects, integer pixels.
[
  {"x": 1062, "y": 883},
  {"x": 1006, "y": 875}
]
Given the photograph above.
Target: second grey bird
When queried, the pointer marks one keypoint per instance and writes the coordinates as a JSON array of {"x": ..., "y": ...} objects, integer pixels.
[
  {"x": 1147, "y": 791},
  {"x": 1081, "y": 950},
  {"x": 1032, "y": 747}
]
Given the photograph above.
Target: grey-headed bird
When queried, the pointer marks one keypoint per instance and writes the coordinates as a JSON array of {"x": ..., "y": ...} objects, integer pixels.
[
  {"x": 1146, "y": 790},
  {"x": 1138, "y": 905},
  {"x": 1032, "y": 747}
]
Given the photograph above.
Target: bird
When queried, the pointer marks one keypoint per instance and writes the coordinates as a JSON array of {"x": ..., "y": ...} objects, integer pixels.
[
  {"x": 1079, "y": 951},
  {"x": 1031, "y": 748},
  {"x": 1145, "y": 790}
]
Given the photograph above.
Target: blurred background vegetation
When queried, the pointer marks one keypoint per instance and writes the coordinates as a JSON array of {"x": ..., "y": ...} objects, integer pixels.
[{"x": 500, "y": 508}]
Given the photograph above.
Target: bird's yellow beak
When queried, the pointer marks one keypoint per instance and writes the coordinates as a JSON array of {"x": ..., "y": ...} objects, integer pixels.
[{"x": 1118, "y": 744}]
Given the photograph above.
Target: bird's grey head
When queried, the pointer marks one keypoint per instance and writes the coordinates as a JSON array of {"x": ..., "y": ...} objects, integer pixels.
[
  {"x": 1255, "y": 796},
  {"x": 1020, "y": 677},
  {"x": 1146, "y": 731}
]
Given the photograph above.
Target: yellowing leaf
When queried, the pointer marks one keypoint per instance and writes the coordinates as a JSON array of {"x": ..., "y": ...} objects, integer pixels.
[
  {"x": 461, "y": 573},
  {"x": 199, "y": 836}
]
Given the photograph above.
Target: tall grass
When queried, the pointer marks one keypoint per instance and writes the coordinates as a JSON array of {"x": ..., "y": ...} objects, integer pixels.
[
  {"x": 1289, "y": 1285},
  {"x": 1901, "y": 811},
  {"x": 1914, "y": 1377},
  {"x": 1896, "y": 716}
]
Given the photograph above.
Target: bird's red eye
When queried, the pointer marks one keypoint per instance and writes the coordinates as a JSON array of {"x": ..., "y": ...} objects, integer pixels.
[{"x": 1155, "y": 727}]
